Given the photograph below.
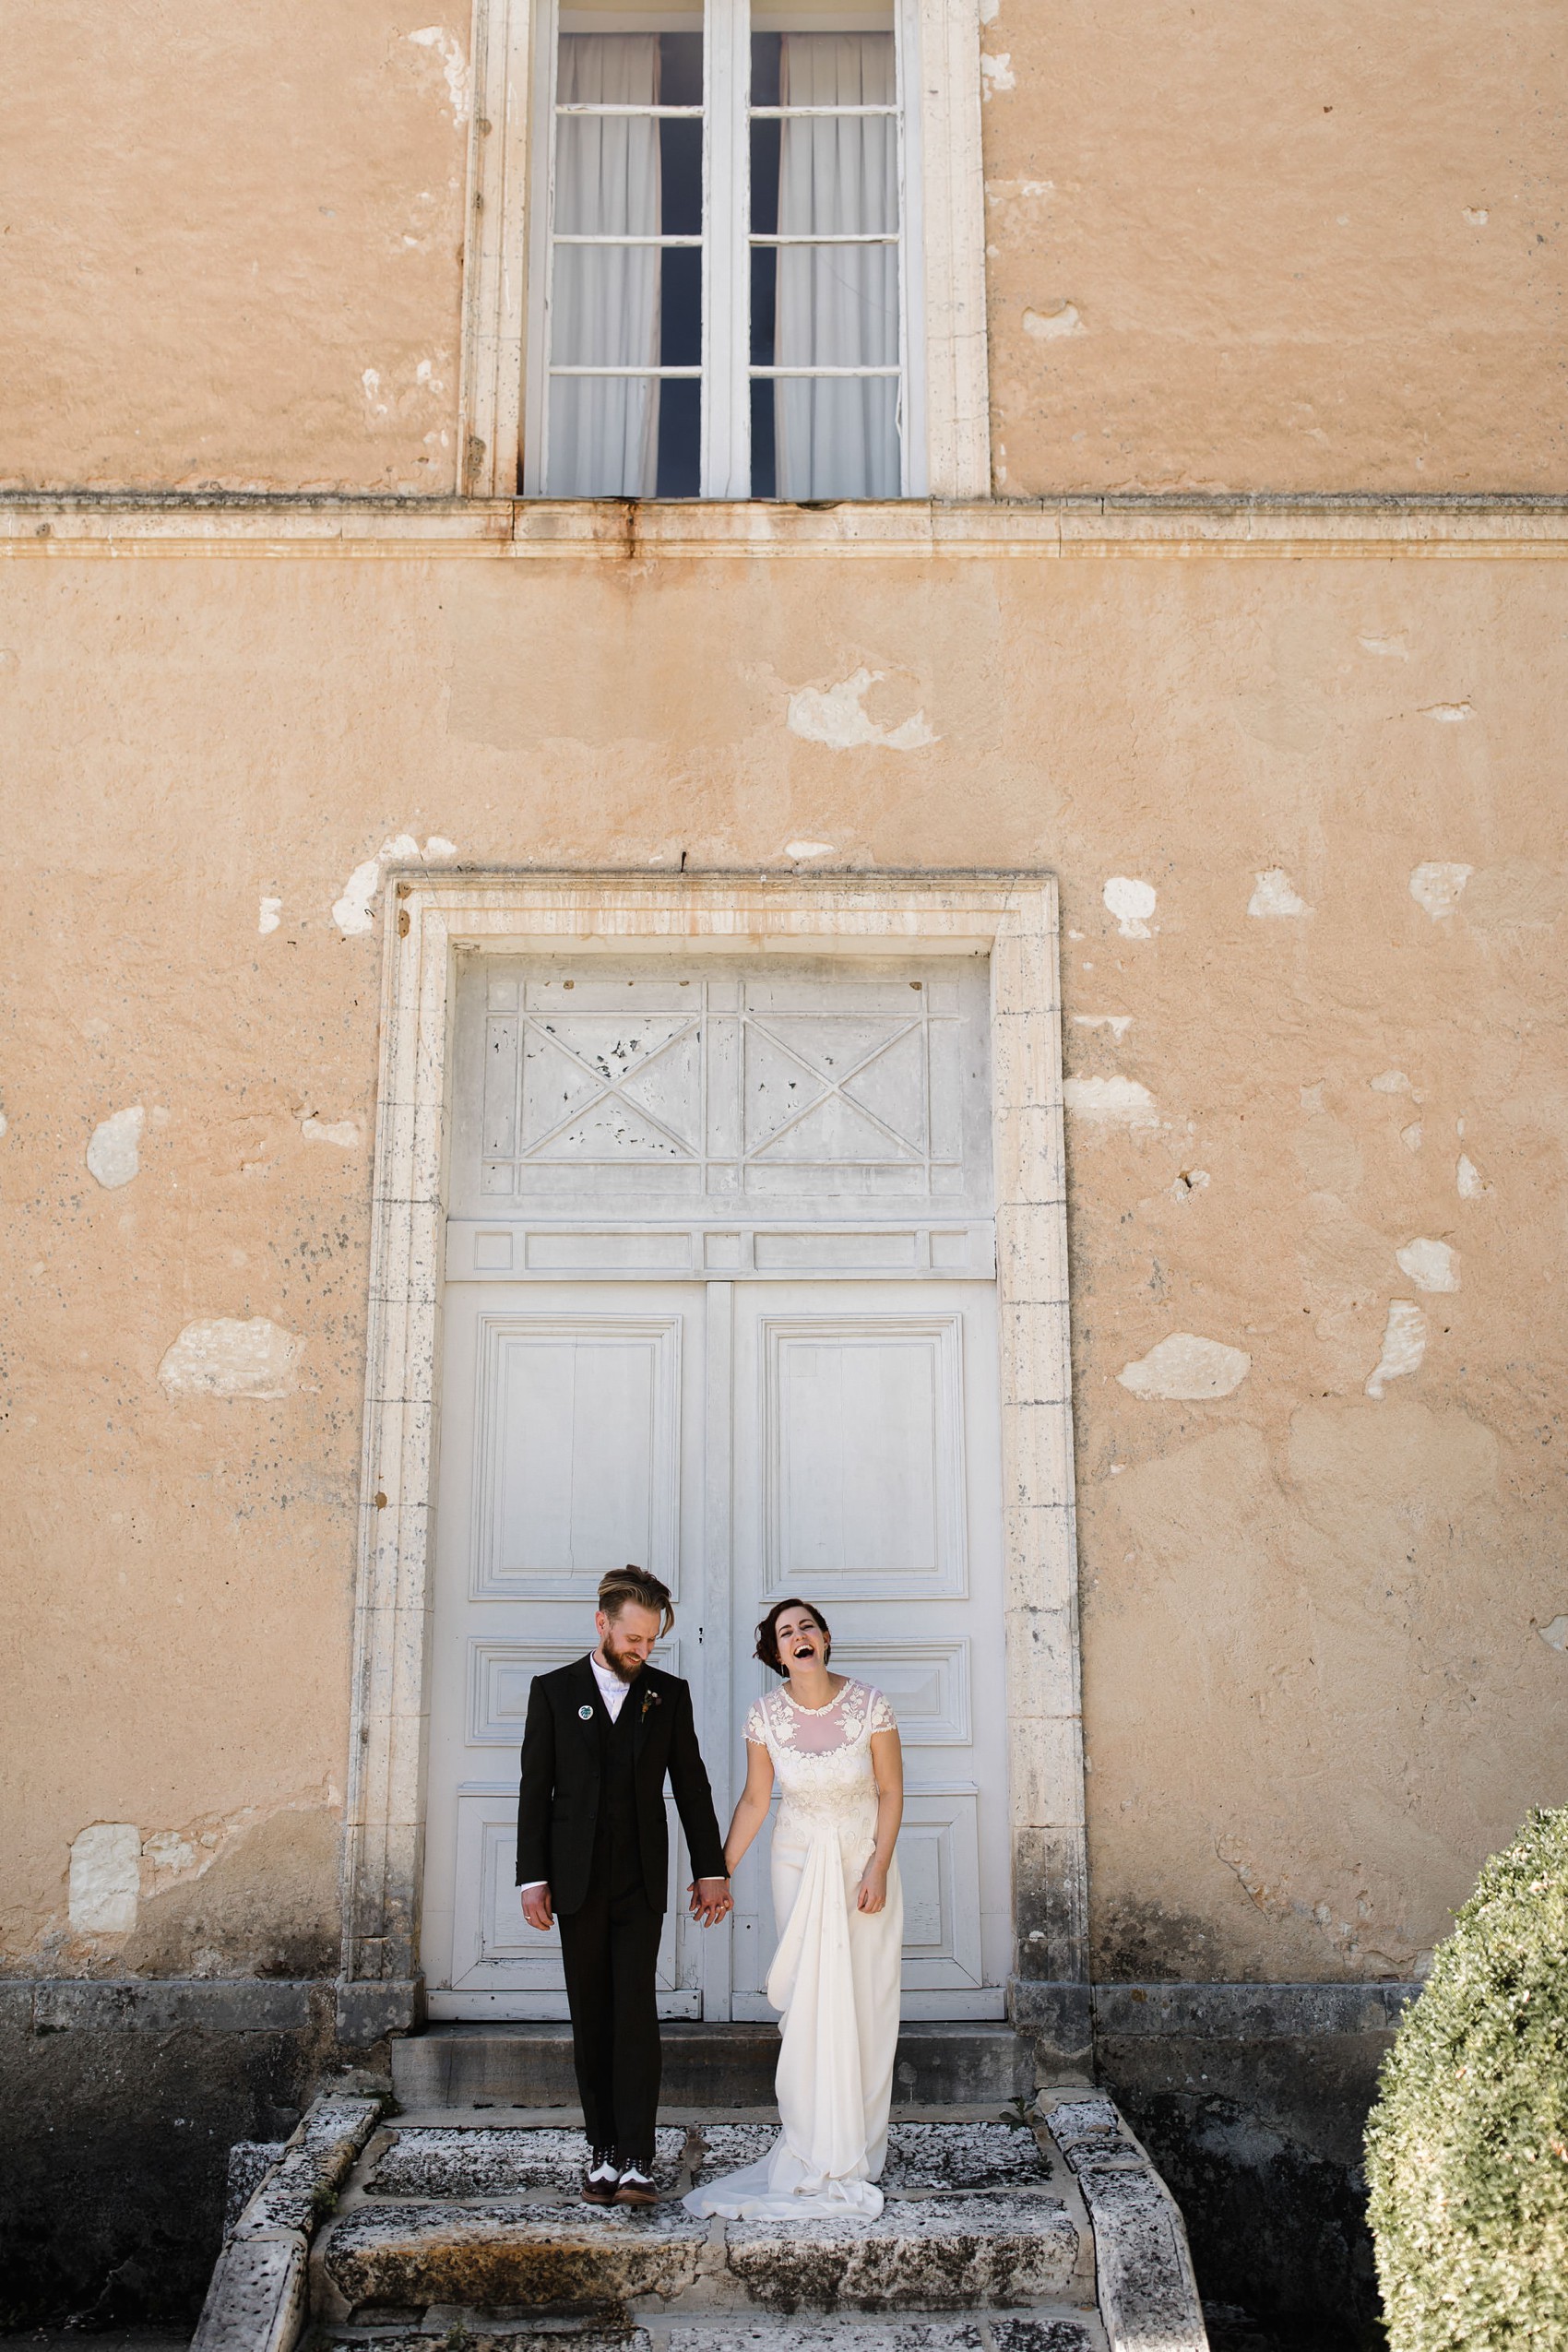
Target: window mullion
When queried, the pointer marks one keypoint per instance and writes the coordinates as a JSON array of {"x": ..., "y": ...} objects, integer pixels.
[{"x": 726, "y": 308}]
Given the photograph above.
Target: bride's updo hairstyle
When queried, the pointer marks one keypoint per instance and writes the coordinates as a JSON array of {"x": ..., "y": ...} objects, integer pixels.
[{"x": 767, "y": 1631}]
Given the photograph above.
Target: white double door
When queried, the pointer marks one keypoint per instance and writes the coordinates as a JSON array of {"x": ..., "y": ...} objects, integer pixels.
[{"x": 747, "y": 1441}]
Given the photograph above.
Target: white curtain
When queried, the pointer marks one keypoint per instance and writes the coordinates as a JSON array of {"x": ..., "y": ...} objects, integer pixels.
[
  {"x": 838, "y": 304},
  {"x": 604, "y": 432}
]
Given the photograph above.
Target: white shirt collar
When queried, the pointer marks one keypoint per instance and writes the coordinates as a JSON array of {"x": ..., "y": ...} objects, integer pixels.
[{"x": 611, "y": 1690}]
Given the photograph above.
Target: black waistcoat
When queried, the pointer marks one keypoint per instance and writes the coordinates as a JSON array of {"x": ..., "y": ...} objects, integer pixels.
[{"x": 617, "y": 1788}]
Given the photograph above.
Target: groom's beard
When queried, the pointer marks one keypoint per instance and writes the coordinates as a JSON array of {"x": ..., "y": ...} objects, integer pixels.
[{"x": 623, "y": 1664}]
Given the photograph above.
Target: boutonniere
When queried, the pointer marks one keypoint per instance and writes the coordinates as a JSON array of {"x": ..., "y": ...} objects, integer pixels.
[{"x": 650, "y": 1699}]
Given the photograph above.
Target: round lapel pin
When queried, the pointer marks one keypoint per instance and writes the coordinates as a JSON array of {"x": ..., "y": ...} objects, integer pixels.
[{"x": 586, "y": 1714}]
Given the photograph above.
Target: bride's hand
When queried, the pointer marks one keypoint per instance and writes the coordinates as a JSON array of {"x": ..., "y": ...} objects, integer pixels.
[{"x": 873, "y": 1891}]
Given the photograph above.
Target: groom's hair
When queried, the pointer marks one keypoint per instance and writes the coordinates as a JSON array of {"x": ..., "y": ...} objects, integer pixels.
[{"x": 635, "y": 1588}]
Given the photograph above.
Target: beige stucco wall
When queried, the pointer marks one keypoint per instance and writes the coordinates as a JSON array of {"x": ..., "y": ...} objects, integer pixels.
[
  {"x": 1306, "y": 248},
  {"x": 1316, "y": 1689}
]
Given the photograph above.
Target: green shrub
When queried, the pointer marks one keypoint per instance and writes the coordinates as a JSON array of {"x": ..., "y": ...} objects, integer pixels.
[{"x": 1467, "y": 2146}]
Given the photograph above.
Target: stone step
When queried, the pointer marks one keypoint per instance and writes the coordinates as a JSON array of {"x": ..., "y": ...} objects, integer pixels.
[
  {"x": 1046, "y": 2327},
  {"x": 981, "y": 2214},
  {"x": 529, "y": 2065}
]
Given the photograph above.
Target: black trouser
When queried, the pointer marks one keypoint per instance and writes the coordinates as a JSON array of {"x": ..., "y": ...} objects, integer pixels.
[{"x": 610, "y": 1950}]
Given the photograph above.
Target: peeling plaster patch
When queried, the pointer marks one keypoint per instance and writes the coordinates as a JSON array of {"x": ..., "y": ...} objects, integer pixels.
[
  {"x": 1478, "y": 217},
  {"x": 1118, "y": 1101},
  {"x": 1410, "y": 1136},
  {"x": 113, "y": 1154},
  {"x": 352, "y": 912},
  {"x": 347, "y": 1134},
  {"x": 169, "y": 1851},
  {"x": 1311, "y": 1100},
  {"x": 1275, "y": 894},
  {"x": 1390, "y": 1081},
  {"x": 1117, "y": 1023},
  {"x": 996, "y": 73},
  {"x": 1430, "y": 1264},
  {"x": 228, "y": 1358},
  {"x": 269, "y": 916},
  {"x": 802, "y": 849},
  {"x": 105, "y": 1881},
  {"x": 1469, "y": 1178},
  {"x": 1438, "y": 887},
  {"x": 1404, "y": 1345},
  {"x": 1555, "y": 1635},
  {"x": 4, "y": 1124},
  {"x": 1185, "y": 1369},
  {"x": 1448, "y": 714},
  {"x": 1048, "y": 327},
  {"x": 1191, "y": 1181},
  {"x": 1386, "y": 648},
  {"x": 450, "y": 51},
  {"x": 988, "y": 11},
  {"x": 836, "y": 715},
  {"x": 1132, "y": 903},
  {"x": 370, "y": 384}
]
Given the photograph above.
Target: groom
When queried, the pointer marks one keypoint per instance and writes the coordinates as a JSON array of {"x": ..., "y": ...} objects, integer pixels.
[{"x": 593, "y": 1853}]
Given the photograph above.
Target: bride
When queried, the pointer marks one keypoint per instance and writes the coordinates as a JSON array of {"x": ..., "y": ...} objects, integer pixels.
[{"x": 833, "y": 1745}]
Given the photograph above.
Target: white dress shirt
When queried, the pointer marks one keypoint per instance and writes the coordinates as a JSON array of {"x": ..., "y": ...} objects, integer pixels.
[{"x": 614, "y": 1694}]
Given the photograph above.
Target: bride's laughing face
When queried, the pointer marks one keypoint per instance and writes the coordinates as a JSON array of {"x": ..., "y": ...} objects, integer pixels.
[{"x": 802, "y": 1645}]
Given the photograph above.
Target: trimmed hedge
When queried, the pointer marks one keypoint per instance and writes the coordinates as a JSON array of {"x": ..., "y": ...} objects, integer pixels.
[{"x": 1467, "y": 2146}]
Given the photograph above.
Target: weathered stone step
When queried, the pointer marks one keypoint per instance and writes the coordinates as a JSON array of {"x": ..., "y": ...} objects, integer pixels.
[
  {"x": 707, "y": 2066},
  {"x": 1046, "y": 2328},
  {"x": 978, "y": 2214}
]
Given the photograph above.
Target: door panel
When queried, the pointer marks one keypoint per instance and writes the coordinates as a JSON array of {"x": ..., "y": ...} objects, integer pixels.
[
  {"x": 571, "y": 1433},
  {"x": 867, "y": 1468}
]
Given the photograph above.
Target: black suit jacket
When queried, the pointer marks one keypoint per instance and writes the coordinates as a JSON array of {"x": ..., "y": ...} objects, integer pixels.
[{"x": 558, "y": 1792}]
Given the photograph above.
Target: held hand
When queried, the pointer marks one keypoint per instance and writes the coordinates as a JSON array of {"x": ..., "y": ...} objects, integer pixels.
[
  {"x": 873, "y": 1890},
  {"x": 537, "y": 1910},
  {"x": 711, "y": 1901}
]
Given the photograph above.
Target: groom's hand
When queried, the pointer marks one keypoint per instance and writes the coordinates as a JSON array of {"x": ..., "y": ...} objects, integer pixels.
[
  {"x": 537, "y": 1910},
  {"x": 711, "y": 1900}
]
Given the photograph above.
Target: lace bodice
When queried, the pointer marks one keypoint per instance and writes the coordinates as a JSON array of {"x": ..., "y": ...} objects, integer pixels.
[{"x": 822, "y": 1755}]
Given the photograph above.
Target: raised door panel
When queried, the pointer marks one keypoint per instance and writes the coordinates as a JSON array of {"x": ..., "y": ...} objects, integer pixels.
[
  {"x": 578, "y": 1463},
  {"x": 861, "y": 1451},
  {"x": 826, "y": 1086},
  {"x": 497, "y": 1954}
]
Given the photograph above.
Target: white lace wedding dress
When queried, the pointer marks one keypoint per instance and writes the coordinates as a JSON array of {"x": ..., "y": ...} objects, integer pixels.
[{"x": 835, "y": 1974}]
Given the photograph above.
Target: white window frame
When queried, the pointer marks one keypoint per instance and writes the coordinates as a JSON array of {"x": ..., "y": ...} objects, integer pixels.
[{"x": 945, "y": 432}]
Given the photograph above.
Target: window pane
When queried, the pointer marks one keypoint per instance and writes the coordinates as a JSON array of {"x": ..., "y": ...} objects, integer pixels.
[
  {"x": 836, "y": 437},
  {"x": 765, "y": 69},
  {"x": 680, "y": 309},
  {"x": 680, "y": 69},
  {"x": 765, "y": 138},
  {"x": 765, "y": 479},
  {"x": 603, "y": 435},
  {"x": 604, "y": 309},
  {"x": 837, "y": 177},
  {"x": 764, "y": 302},
  {"x": 680, "y": 439},
  {"x": 607, "y": 166},
  {"x": 680, "y": 155}
]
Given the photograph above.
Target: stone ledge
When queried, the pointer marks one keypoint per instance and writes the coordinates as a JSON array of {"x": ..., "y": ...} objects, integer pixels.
[
  {"x": 167, "y": 2004},
  {"x": 1249, "y": 2012},
  {"x": 82, "y": 523},
  {"x": 258, "y": 2296},
  {"x": 1146, "y": 2291}
]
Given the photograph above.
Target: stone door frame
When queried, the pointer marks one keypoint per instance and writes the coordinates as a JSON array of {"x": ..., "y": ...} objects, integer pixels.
[{"x": 1013, "y": 919}]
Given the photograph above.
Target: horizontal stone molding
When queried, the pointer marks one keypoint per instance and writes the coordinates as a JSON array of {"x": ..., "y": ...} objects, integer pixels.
[
  {"x": 166, "y": 2005},
  {"x": 1248, "y": 2013},
  {"x": 86, "y": 524}
]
